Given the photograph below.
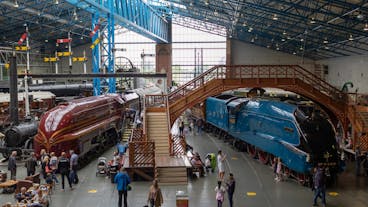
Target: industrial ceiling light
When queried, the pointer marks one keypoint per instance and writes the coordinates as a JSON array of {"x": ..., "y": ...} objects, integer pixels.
[
  {"x": 351, "y": 38},
  {"x": 301, "y": 48},
  {"x": 206, "y": 2},
  {"x": 46, "y": 40},
  {"x": 244, "y": 24},
  {"x": 16, "y": 5},
  {"x": 277, "y": 48},
  {"x": 301, "y": 40},
  {"x": 252, "y": 40},
  {"x": 365, "y": 27},
  {"x": 283, "y": 40},
  {"x": 250, "y": 29},
  {"x": 274, "y": 17},
  {"x": 294, "y": 53},
  {"x": 284, "y": 32},
  {"x": 312, "y": 21},
  {"x": 327, "y": 48},
  {"x": 56, "y": 2},
  {"x": 325, "y": 41}
]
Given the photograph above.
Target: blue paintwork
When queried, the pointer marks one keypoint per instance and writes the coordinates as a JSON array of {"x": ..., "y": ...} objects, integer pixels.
[
  {"x": 134, "y": 15},
  {"x": 268, "y": 125}
]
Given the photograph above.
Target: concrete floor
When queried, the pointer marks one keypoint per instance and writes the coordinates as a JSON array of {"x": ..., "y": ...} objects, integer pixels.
[{"x": 251, "y": 177}]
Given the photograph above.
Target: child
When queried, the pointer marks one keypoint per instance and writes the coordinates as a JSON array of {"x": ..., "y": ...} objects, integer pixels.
[{"x": 220, "y": 193}]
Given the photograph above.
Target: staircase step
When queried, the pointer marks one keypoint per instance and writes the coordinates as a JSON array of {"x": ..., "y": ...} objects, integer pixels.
[{"x": 172, "y": 179}]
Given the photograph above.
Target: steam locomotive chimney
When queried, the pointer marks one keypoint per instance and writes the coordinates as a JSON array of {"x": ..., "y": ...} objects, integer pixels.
[{"x": 13, "y": 81}]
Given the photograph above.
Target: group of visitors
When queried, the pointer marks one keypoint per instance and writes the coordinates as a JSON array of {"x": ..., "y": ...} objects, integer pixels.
[
  {"x": 35, "y": 197},
  {"x": 223, "y": 187},
  {"x": 50, "y": 165},
  {"x": 194, "y": 126}
]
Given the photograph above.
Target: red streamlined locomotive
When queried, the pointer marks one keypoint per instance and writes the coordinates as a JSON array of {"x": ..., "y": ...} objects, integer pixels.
[{"x": 86, "y": 125}]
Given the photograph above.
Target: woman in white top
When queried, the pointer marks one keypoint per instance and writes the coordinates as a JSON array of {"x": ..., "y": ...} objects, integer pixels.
[{"x": 221, "y": 164}]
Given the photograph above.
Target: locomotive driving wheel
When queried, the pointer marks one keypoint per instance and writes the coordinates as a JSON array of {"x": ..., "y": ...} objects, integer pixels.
[
  {"x": 252, "y": 151},
  {"x": 263, "y": 157}
]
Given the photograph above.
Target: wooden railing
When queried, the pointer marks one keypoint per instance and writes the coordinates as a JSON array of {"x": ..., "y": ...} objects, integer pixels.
[
  {"x": 153, "y": 101},
  {"x": 141, "y": 154},
  {"x": 141, "y": 151},
  {"x": 254, "y": 72},
  {"x": 178, "y": 145}
]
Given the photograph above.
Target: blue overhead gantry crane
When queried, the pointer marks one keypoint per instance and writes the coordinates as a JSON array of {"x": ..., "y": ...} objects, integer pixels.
[{"x": 134, "y": 15}]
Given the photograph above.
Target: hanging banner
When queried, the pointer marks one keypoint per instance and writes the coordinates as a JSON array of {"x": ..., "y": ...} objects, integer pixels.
[
  {"x": 21, "y": 48},
  {"x": 95, "y": 43},
  {"x": 97, "y": 27},
  {"x": 22, "y": 38},
  {"x": 67, "y": 40}
]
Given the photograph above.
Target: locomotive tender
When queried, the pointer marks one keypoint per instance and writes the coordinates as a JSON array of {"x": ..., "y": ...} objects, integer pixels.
[{"x": 270, "y": 129}]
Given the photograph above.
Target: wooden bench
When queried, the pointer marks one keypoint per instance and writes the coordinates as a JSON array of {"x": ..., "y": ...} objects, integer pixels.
[
  {"x": 34, "y": 178},
  {"x": 9, "y": 186}
]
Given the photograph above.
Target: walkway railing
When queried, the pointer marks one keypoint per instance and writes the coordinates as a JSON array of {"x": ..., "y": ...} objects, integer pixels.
[{"x": 257, "y": 72}]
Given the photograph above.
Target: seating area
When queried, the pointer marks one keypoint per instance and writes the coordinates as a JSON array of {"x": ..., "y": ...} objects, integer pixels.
[{"x": 28, "y": 192}]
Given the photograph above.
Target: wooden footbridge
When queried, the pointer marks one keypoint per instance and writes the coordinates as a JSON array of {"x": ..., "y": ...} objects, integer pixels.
[{"x": 162, "y": 110}]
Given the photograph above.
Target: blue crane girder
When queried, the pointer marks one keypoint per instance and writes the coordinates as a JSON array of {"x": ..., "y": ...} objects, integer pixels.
[{"x": 134, "y": 15}]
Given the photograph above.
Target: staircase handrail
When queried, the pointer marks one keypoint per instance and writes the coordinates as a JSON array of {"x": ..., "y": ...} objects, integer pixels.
[
  {"x": 177, "y": 91},
  {"x": 322, "y": 83}
]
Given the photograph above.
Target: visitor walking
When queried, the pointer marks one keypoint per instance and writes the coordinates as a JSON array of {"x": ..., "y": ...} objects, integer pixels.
[
  {"x": 64, "y": 169},
  {"x": 31, "y": 164},
  {"x": 319, "y": 182},
  {"x": 155, "y": 198},
  {"x": 278, "y": 170},
  {"x": 74, "y": 167},
  {"x": 122, "y": 181},
  {"x": 181, "y": 128},
  {"x": 12, "y": 165},
  {"x": 230, "y": 188}
]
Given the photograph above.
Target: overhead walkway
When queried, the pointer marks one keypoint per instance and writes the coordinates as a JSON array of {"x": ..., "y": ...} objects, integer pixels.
[{"x": 340, "y": 106}]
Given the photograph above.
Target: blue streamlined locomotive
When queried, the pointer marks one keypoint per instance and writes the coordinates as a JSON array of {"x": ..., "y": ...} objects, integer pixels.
[{"x": 276, "y": 129}]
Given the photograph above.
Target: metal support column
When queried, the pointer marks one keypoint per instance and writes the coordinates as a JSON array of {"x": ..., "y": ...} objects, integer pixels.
[
  {"x": 96, "y": 57},
  {"x": 110, "y": 47}
]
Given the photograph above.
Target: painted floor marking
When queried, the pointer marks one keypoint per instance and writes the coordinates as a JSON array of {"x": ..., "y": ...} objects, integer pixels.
[
  {"x": 251, "y": 193},
  {"x": 333, "y": 193},
  {"x": 92, "y": 191},
  {"x": 234, "y": 158}
]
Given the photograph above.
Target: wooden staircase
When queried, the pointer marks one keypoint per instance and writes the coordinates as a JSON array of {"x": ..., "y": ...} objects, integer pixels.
[
  {"x": 171, "y": 171},
  {"x": 157, "y": 131},
  {"x": 128, "y": 130}
]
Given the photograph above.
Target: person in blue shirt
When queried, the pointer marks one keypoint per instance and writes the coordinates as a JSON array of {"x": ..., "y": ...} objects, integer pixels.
[
  {"x": 122, "y": 181},
  {"x": 74, "y": 167}
]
